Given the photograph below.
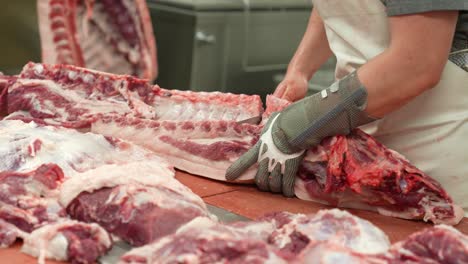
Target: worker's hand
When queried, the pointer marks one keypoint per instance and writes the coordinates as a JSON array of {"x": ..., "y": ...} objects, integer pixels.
[
  {"x": 303, "y": 125},
  {"x": 293, "y": 87},
  {"x": 278, "y": 161}
]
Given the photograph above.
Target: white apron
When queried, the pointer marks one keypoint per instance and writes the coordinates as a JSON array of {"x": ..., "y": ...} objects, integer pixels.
[{"x": 431, "y": 130}]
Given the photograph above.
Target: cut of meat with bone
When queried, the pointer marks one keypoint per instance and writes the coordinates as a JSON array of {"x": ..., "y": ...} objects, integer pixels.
[
  {"x": 26, "y": 146},
  {"x": 72, "y": 97},
  {"x": 68, "y": 241},
  {"x": 110, "y": 36},
  {"x": 205, "y": 148},
  {"x": 177, "y": 105},
  {"x": 158, "y": 103},
  {"x": 138, "y": 208},
  {"x": 205, "y": 241},
  {"x": 29, "y": 200},
  {"x": 53, "y": 104}
]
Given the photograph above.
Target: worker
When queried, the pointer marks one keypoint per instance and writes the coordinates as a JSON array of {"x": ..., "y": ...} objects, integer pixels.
[{"x": 401, "y": 76}]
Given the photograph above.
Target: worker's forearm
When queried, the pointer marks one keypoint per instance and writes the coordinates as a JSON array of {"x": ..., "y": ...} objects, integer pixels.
[
  {"x": 391, "y": 83},
  {"x": 313, "y": 50},
  {"x": 412, "y": 64}
]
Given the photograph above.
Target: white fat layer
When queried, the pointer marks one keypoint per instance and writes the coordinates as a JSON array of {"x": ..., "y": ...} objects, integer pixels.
[
  {"x": 48, "y": 243},
  {"x": 58, "y": 247},
  {"x": 149, "y": 173},
  {"x": 370, "y": 239},
  {"x": 72, "y": 151}
]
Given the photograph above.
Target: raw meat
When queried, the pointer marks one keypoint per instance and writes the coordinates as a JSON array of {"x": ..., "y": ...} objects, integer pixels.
[
  {"x": 356, "y": 171},
  {"x": 68, "y": 241},
  {"x": 329, "y": 225},
  {"x": 205, "y": 148},
  {"x": 112, "y": 36},
  {"x": 138, "y": 202},
  {"x": 72, "y": 97},
  {"x": 5, "y": 82},
  {"x": 26, "y": 146},
  {"x": 345, "y": 171},
  {"x": 204, "y": 241},
  {"x": 29, "y": 200},
  {"x": 9, "y": 233},
  {"x": 439, "y": 244}
]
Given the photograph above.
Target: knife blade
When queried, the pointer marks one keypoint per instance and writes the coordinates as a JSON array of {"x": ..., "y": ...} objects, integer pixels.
[
  {"x": 253, "y": 120},
  {"x": 120, "y": 247},
  {"x": 226, "y": 216}
]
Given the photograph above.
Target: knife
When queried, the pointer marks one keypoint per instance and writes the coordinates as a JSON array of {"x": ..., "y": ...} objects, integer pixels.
[
  {"x": 120, "y": 247},
  {"x": 253, "y": 120}
]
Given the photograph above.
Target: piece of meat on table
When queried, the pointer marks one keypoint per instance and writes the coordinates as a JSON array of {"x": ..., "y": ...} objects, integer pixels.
[
  {"x": 28, "y": 201},
  {"x": 138, "y": 202},
  {"x": 205, "y": 241},
  {"x": 334, "y": 225},
  {"x": 345, "y": 171},
  {"x": 437, "y": 245},
  {"x": 111, "y": 36},
  {"x": 68, "y": 240}
]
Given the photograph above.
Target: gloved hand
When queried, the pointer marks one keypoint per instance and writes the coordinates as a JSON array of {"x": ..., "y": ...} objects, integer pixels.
[{"x": 287, "y": 134}]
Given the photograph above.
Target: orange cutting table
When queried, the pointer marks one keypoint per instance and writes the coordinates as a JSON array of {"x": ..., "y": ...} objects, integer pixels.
[{"x": 249, "y": 202}]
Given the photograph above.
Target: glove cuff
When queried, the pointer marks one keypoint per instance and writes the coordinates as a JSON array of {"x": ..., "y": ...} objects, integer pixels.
[{"x": 335, "y": 110}]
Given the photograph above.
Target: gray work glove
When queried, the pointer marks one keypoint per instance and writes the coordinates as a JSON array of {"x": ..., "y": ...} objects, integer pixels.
[{"x": 279, "y": 151}]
